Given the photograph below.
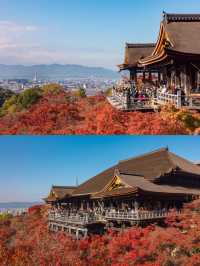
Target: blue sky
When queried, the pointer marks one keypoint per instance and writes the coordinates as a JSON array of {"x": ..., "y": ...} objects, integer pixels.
[
  {"x": 88, "y": 32},
  {"x": 30, "y": 165}
]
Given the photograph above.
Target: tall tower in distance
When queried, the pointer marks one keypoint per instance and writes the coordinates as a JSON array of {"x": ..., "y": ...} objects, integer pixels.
[{"x": 35, "y": 77}]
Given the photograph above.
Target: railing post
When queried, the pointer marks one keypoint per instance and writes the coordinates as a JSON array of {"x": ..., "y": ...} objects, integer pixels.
[
  {"x": 77, "y": 234},
  {"x": 190, "y": 102},
  {"x": 126, "y": 100},
  {"x": 179, "y": 102}
]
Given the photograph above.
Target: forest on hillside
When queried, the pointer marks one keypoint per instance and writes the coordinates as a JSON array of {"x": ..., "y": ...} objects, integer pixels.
[
  {"x": 52, "y": 110},
  {"x": 25, "y": 241}
]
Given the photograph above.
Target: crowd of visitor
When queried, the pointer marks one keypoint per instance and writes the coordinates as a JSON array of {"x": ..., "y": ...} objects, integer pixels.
[
  {"x": 146, "y": 93},
  {"x": 99, "y": 212}
]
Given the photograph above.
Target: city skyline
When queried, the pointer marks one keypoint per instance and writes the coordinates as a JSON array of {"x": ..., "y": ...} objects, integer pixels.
[
  {"x": 70, "y": 32},
  {"x": 33, "y": 164}
]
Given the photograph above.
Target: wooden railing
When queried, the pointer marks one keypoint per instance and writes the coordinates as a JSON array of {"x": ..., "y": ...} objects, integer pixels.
[
  {"x": 87, "y": 219},
  {"x": 122, "y": 95},
  {"x": 137, "y": 216},
  {"x": 128, "y": 101},
  {"x": 168, "y": 98},
  {"x": 194, "y": 102},
  {"x": 75, "y": 219}
]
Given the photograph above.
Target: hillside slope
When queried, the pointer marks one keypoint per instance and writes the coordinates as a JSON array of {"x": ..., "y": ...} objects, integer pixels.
[{"x": 25, "y": 241}]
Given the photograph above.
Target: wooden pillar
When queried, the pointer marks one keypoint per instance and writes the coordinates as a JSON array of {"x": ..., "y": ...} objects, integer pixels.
[
  {"x": 165, "y": 77},
  {"x": 159, "y": 77},
  {"x": 177, "y": 77},
  {"x": 77, "y": 234},
  {"x": 198, "y": 79},
  {"x": 188, "y": 80},
  {"x": 183, "y": 78},
  {"x": 173, "y": 78},
  {"x": 150, "y": 75},
  {"x": 136, "y": 205},
  {"x": 143, "y": 75},
  {"x": 85, "y": 233},
  {"x": 133, "y": 75},
  {"x": 70, "y": 230}
]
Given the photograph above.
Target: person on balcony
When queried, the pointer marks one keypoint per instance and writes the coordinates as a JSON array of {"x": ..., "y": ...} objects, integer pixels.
[{"x": 164, "y": 89}]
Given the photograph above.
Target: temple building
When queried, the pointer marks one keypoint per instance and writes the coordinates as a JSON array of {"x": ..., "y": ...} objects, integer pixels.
[
  {"x": 133, "y": 53},
  {"x": 59, "y": 194},
  {"x": 177, "y": 52},
  {"x": 139, "y": 190},
  {"x": 175, "y": 57}
]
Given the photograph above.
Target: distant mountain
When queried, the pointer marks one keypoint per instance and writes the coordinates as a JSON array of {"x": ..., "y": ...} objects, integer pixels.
[{"x": 55, "y": 72}]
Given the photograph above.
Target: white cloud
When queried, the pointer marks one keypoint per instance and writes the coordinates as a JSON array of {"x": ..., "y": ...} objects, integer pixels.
[
  {"x": 13, "y": 35},
  {"x": 21, "y": 44},
  {"x": 10, "y": 26}
]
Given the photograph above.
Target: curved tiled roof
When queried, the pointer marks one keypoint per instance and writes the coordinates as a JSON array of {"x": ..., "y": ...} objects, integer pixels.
[
  {"x": 97, "y": 183},
  {"x": 184, "y": 36},
  {"x": 150, "y": 167},
  {"x": 134, "y": 52},
  {"x": 182, "y": 31},
  {"x": 61, "y": 192},
  {"x": 147, "y": 186}
]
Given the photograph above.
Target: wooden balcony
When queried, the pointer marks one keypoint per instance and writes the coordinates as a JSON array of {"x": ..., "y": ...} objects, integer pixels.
[
  {"x": 80, "y": 225},
  {"x": 123, "y": 101},
  {"x": 79, "y": 219},
  {"x": 168, "y": 98},
  {"x": 137, "y": 216},
  {"x": 88, "y": 219},
  {"x": 191, "y": 102}
]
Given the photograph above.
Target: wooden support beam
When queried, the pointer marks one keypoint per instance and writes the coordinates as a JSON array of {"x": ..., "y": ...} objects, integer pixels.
[{"x": 77, "y": 234}]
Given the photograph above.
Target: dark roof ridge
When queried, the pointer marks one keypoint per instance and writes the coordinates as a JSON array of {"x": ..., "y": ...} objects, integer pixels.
[
  {"x": 138, "y": 45},
  {"x": 131, "y": 174},
  {"x": 145, "y": 154},
  {"x": 63, "y": 186},
  {"x": 175, "y": 17}
]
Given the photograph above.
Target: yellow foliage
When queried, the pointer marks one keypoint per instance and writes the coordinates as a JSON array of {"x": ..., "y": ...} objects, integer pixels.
[
  {"x": 53, "y": 88},
  {"x": 190, "y": 119}
]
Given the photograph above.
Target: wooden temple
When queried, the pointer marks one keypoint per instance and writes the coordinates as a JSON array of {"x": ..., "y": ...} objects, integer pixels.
[
  {"x": 133, "y": 53},
  {"x": 137, "y": 191},
  {"x": 175, "y": 57}
]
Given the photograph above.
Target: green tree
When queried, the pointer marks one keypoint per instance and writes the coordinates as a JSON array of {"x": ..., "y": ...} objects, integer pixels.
[
  {"x": 10, "y": 105},
  {"x": 82, "y": 93},
  {"x": 21, "y": 101},
  {"x": 4, "y": 95},
  {"x": 28, "y": 97}
]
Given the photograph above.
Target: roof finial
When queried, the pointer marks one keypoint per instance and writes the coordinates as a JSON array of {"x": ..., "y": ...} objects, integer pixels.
[{"x": 164, "y": 15}]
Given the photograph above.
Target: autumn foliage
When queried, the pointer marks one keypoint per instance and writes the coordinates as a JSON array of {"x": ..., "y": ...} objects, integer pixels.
[
  {"x": 26, "y": 241},
  {"x": 55, "y": 111}
]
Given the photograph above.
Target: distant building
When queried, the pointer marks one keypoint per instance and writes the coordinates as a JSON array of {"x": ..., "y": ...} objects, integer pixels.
[{"x": 35, "y": 79}]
